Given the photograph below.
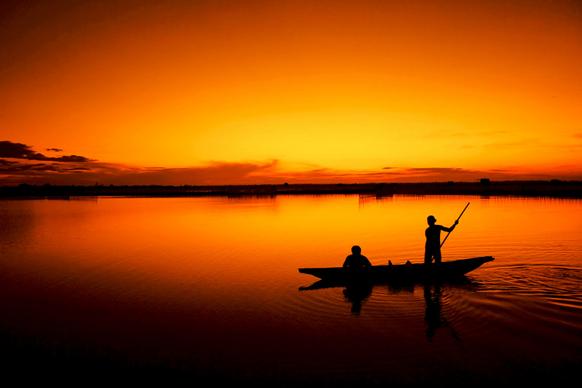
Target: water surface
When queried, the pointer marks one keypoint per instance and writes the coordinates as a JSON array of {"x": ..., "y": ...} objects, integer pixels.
[{"x": 208, "y": 288}]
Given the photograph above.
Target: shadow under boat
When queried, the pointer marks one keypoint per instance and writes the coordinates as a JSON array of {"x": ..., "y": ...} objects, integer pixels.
[
  {"x": 356, "y": 294},
  {"x": 394, "y": 285}
]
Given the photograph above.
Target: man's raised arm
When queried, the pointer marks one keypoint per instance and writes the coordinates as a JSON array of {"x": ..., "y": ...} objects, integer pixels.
[{"x": 451, "y": 228}]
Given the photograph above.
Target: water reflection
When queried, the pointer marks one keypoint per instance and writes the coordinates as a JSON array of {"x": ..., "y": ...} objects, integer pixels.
[
  {"x": 210, "y": 284},
  {"x": 357, "y": 294},
  {"x": 432, "y": 316}
]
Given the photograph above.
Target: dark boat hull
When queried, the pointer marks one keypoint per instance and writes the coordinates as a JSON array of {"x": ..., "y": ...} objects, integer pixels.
[{"x": 404, "y": 272}]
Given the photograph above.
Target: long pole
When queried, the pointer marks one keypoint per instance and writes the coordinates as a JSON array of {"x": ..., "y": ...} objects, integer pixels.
[{"x": 447, "y": 236}]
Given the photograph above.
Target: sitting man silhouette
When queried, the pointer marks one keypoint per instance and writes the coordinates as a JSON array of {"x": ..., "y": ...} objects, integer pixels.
[
  {"x": 356, "y": 261},
  {"x": 432, "y": 248}
]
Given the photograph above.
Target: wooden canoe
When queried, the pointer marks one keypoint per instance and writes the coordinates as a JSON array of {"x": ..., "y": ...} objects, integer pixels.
[{"x": 402, "y": 272}]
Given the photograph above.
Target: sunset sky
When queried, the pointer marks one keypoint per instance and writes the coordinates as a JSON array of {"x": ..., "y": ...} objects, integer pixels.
[{"x": 224, "y": 92}]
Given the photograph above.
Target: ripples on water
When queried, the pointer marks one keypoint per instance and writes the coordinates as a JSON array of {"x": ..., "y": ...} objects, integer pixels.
[
  {"x": 208, "y": 288},
  {"x": 496, "y": 327}
]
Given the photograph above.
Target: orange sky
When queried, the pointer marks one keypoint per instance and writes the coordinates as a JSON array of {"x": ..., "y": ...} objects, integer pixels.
[{"x": 263, "y": 91}]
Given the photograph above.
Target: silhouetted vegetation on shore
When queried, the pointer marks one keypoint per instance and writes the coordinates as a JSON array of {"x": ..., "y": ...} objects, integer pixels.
[{"x": 484, "y": 187}]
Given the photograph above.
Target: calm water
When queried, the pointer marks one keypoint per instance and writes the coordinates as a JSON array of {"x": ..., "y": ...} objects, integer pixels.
[{"x": 208, "y": 288}]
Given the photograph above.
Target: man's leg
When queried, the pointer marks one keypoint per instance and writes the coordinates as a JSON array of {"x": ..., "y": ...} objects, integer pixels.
[
  {"x": 437, "y": 257},
  {"x": 427, "y": 256}
]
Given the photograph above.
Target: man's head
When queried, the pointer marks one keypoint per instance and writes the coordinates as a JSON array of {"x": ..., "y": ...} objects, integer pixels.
[
  {"x": 356, "y": 250},
  {"x": 431, "y": 220}
]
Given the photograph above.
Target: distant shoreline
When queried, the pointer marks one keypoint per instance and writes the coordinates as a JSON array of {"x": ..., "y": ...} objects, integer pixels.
[{"x": 552, "y": 188}]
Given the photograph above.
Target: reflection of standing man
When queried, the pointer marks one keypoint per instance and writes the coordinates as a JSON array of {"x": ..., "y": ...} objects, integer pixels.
[
  {"x": 432, "y": 248},
  {"x": 432, "y": 314}
]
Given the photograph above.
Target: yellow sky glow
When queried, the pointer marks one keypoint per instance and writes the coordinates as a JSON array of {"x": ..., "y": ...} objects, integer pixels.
[{"x": 338, "y": 85}]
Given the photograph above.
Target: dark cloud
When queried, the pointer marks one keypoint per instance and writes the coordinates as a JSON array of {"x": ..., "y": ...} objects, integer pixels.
[
  {"x": 427, "y": 174},
  {"x": 13, "y": 150},
  {"x": 9, "y": 149},
  {"x": 70, "y": 158},
  {"x": 4, "y": 162},
  {"x": 26, "y": 171},
  {"x": 221, "y": 173},
  {"x": 440, "y": 174},
  {"x": 19, "y": 164},
  {"x": 431, "y": 170},
  {"x": 15, "y": 167},
  {"x": 211, "y": 174},
  {"x": 55, "y": 149}
]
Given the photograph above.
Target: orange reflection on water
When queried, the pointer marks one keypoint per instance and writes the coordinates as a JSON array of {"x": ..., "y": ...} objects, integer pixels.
[
  {"x": 213, "y": 241},
  {"x": 212, "y": 284}
]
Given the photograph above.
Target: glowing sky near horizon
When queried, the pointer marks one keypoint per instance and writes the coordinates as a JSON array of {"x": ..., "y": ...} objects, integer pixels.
[{"x": 337, "y": 85}]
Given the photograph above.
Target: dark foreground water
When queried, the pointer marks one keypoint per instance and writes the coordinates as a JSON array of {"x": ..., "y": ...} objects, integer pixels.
[{"x": 206, "y": 290}]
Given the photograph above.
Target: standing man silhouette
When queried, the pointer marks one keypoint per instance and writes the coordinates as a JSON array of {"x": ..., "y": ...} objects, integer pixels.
[{"x": 432, "y": 248}]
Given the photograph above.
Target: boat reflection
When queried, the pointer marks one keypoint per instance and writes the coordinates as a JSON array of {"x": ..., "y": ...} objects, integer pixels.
[{"x": 358, "y": 292}]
